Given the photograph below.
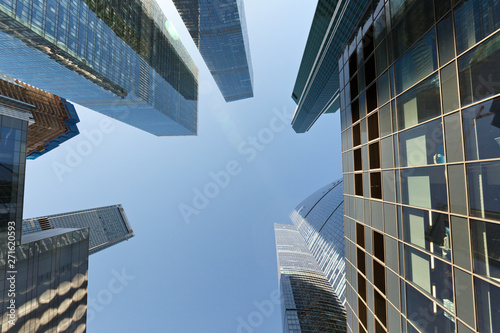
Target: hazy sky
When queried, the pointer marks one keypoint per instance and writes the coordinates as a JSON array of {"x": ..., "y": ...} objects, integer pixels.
[{"x": 213, "y": 269}]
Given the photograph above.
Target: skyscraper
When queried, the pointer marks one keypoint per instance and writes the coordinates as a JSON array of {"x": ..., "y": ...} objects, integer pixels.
[
  {"x": 420, "y": 119},
  {"x": 320, "y": 221},
  {"x": 55, "y": 118},
  {"x": 107, "y": 225},
  {"x": 309, "y": 303},
  {"x": 219, "y": 31},
  {"x": 43, "y": 276},
  {"x": 316, "y": 90},
  {"x": 48, "y": 283},
  {"x": 116, "y": 58}
]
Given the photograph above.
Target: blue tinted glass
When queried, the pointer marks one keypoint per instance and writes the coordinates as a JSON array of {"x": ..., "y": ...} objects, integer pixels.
[
  {"x": 423, "y": 314},
  {"x": 482, "y": 130},
  {"x": 487, "y": 309},
  {"x": 479, "y": 71},
  {"x": 484, "y": 189},
  {"x": 417, "y": 63},
  {"x": 474, "y": 20}
]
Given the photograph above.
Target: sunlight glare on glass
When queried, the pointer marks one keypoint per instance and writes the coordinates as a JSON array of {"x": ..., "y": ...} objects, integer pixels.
[{"x": 171, "y": 30}]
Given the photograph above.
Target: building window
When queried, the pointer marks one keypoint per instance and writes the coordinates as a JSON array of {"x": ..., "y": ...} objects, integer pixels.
[
  {"x": 425, "y": 187},
  {"x": 484, "y": 189},
  {"x": 486, "y": 249}
]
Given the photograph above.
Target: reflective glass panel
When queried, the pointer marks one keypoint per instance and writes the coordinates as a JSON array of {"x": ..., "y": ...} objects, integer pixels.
[
  {"x": 422, "y": 145},
  {"x": 486, "y": 249},
  {"x": 430, "y": 275},
  {"x": 425, "y": 187},
  {"x": 429, "y": 231},
  {"x": 484, "y": 189},
  {"x": 419, "y": 104},
  {"x": 482, "y": 130}
]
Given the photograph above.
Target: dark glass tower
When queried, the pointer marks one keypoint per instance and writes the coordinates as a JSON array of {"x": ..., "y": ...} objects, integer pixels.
[
  {"x": 309, "y": 303},
  {"x": 115, "y": 57},
  {"x": 320, "y": 221},
  {"x": 420, "y": 119},
  {"x": 316, "y": 90},
  {"x": 107, "y": 225},
  {"x": 43, "y": 276},
  {"x": 219, "y": 30},
  {"x": 51, "y": 272}
]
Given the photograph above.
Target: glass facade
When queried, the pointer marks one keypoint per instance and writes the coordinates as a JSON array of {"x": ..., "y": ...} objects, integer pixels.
[
  {"x": 117, "y": 59},
  {"x": 309, "y": 303},
  {"x": 51, "y": 283},
  {"x": 318, "y": 80},
  {"x": 107, "y": 225},
  {"x": 13, "y": 136},
  {"x": 320, "y": 221},
  {"x": 219, "y": 30},
  {"x": 420, "y": 123},
  {"x": 321, "y": 21}
]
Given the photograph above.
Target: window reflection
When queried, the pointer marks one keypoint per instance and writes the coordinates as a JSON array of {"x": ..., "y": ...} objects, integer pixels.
[
  {"x": 417, "y": 63},
  {"x": 486, "y": 249},
  {"x": 487, "y": 309},
  {"x": 430, "y": 275},
  {"x": 430, "y": 231},
  {"x": 425, "y": 187},
  {"x": 479, "y": 71},
  {"x": 484, "y": 189},
  {"x": 427, "y": 315},
  {"x": 422, "y": 145},
  {"x": 482, "y": 130},
  {"x": 419, "y": 104},
  {"x": 474, "y": 20}
]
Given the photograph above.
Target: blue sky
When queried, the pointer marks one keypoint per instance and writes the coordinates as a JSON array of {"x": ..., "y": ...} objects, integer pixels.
[{"x": 213, "y": 270}]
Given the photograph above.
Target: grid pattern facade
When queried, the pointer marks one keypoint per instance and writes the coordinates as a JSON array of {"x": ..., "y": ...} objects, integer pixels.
[
  {"x": 107, "y": 225},
  {"x": 51, "y": 283},
  {"x": 420, "y": 119},
  {"x": 321, "y": 91},
  {"x": 320, "y": 221},
  {"x": 319, "y": 27},
  {"x": 219, "y": 30},
  {"x": 114, "y": 57},
  {"x": 309, "y": 303}
]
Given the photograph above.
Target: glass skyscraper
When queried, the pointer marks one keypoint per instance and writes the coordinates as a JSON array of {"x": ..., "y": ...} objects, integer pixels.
[
  {"x": 309, "y": 303},
  {"x": 51, "y": 273},
  {"x": 107, "y": 225},
  {"x": 420, "y": 118},
  {"x": 316, "y": 90},
  {"x": 320, "y": 221},
  {"x": 115, "y": 57},
  {"x": 43, "y": 276},
  {"x": 219, "y": 31}
]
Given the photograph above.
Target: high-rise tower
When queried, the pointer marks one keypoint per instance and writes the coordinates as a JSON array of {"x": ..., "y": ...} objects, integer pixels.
[
  {"x": 320, "y": 221},
  {"x": 420, "y": 119},
  {"x": 309, "y": 302},
  {"x": 219, "y": 31},
  {"x": 316, "y": 89},
  {"x": 43, "y": 276},
  {"x": 107, "y": 225},
  {"x": 115, "y": 57}
]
